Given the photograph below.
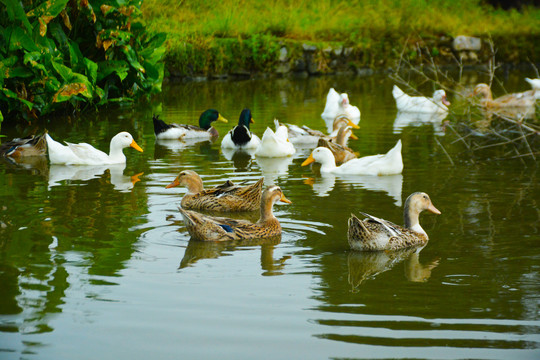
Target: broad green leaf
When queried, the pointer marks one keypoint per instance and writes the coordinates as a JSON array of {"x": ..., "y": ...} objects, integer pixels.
[
  {"x": 48, "y": 8},
  {"x": 91, "y": 70},
  {"x": 34, "y": 59},
  {"x": 20, "y": 39},
  {"x": 132, "y": 58},
  {"x": 15, "y": 11},
  {"x": 119, "y": 67},
  {"x": 12, "y": 95}
]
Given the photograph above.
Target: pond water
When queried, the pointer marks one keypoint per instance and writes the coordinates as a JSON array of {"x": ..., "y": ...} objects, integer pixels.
[{"x": 97, "y": 265}]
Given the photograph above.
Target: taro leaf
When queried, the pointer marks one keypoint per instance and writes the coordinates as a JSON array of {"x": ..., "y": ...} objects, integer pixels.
[
  {"x": 35, "y": 60},
  {"x": 20, "y": 39},
  {"x": 132, "y": 58},
  {"x": 91, "y": 70},
  {"x": 68, "y": 91},
  {"x": 119, "y": 67},
  {"x": 15, "y": 11},
  {"x": 60, "y": 36},
  {"x": 154, "y": 50},
  {"x": 48, "y": 8},
  {"x": 12, "y": 95},
  {"x": 6, "y": 64}
]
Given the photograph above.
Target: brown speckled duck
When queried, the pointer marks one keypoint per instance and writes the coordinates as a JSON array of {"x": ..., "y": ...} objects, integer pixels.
[
  {"x": 28, "y": 146},
  {"x": 523, "y": 99},
  {"x": 212, "y": 228},
  {"x": 342, "y": 153},
  {"x": 372, "y": 234},
  {"x": 225, "y": 197}
]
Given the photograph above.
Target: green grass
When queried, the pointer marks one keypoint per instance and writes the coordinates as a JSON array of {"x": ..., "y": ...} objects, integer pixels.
[{"x": 196, "y": 26}]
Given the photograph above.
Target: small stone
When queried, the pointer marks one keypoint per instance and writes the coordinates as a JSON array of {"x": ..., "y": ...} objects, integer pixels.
[
  {"x": 283, "y": 54},
  {"x": 470, "y": 43},
  {"x": 309, "y": 48}
]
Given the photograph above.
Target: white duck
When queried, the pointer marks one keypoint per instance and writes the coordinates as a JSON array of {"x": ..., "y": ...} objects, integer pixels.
[
  {"x": 275, "y": 144},
  {"x": 436, "y": 104},
  {"x": 307, "y": 137},
  {"x": 85, "y": 154},
  {"x": 338, "y": 104},
  {"x": 390, "y": 163},
  {"x": 240, "y": 137},
  {"x": 535, "y": 84}
]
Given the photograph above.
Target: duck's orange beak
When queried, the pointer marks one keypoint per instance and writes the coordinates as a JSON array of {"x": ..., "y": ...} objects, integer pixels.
[
  {"x": 352, "y": 136},
  {"x": 309, "y": 160},
  {"x": 433, "y": 209},
  {"x": 173, "y": 184},
  {"x": 284, "y": 199},
  {"x": 353, "y": 125},
  {"x": 135, "y": 146}
]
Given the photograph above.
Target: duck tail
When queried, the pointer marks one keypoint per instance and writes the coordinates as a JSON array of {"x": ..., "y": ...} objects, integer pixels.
[
  {"x": 159, "y": 125},
  {"x": 397, "y": 92}
]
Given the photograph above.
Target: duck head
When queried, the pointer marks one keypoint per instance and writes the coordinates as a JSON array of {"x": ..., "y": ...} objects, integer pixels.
[
  {"x": 245, "y": 118},
  {"x": 440, "y": 97},
  {"x": 414, "y": 205},
  {"x": 321, "y": 155},
  {"x": 208, "y": 117},
  {"x": 124, "y": 140},
  {"x": 189, "y": 179},
  {"x": 482, "y": 90}
]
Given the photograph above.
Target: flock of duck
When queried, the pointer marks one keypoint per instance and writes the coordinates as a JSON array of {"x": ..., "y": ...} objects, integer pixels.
[{"x": 330, "y": 150}]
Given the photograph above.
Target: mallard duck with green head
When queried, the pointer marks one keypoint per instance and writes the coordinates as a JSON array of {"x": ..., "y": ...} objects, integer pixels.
[
  {"x": 204, "y": 131},
  {"x": 240, "y": 137}
]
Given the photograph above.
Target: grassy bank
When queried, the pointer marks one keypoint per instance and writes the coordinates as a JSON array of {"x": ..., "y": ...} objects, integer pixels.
[{"x": 211, "y": 37}]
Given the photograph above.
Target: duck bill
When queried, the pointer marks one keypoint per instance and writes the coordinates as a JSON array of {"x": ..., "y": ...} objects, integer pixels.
[
  {"x": 284, "y": 199},
  {"x": 433, "y": 209},
  {"x": 173, "y": 184},
  {"x": 222, "y": 119},
  {"x": 353, "y": 125},
  {"x": 135, "y": 178},
  {"x": 135, "y": 146},
  {"x": 352, "y": 136},
  {"x": 309, "y": 160},
  {"x": 251, "y": 121},
  {"x": 445, "y": 101}
]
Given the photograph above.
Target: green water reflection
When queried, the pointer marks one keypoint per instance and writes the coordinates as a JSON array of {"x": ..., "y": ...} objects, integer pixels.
[{"x": 94, "y": 264}]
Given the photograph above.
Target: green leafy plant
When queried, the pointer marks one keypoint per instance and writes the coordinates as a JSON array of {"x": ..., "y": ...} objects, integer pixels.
[{"x": 65, "y": 54}]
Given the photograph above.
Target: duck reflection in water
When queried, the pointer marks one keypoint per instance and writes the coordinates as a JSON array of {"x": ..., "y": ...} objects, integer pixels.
[
  {"x": 367, "y": 265},
  {"x": 199, "y": 250},
  {"x": 61, "y": 173},
  {"x": 241, "y": 158},
  {"x": 273, "y": 168},
  {"x": 164, "y": 147},
  {"x": 406, "y": 119},
  {"x": 391, "y": 184}
]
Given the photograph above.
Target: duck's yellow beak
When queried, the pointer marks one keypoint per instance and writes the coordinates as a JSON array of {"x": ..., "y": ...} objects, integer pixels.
[
  {"x": 173, "y": 184},
  {"x": 353, "y": 125},
  {"x": 284, "y": 199},
  {"x": 433, "y": 209},
  {"x": 309, "y": 160},
  {"x": 135, "y": 178},
  {"x": 352, "y": 136},
  {"x": 251, "y": 121},
  {"x": 135, "y": 146},
  {"x": 222, "y": 119}
]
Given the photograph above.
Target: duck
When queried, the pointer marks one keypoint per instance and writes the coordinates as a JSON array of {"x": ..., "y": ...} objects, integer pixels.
[
  {"x": 374, "y": 234},
  {"x": 535, "y": 83},
  {"x": 275, "y": 144},
  {"x": 226, "y": 197},
  {"x": 341, "y": 152},
  {"x": 86, "y": 154},
  {"x": 338, "y": 104},
  {"x": 212, "y": 228},
  {"x": 524, "y": 99},
  {"x": 390, "y": 163},
  {"x": 240, "y": 137},
  {"x": 438, "y": 103},
  {"x": 204, "y": 131},
  {"x": 303, "y": 135},
  {"x": 23, "y": 147}
]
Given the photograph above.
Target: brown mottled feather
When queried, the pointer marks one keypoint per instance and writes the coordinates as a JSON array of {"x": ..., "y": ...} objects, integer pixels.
[
  {"x": 342, "y": 154},
  {"x": 213, "y": 228},
  {"x": 28, "y": 146}
]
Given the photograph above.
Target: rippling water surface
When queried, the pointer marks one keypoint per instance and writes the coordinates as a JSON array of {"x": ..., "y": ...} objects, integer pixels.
[{"x": 97, "y": 265}]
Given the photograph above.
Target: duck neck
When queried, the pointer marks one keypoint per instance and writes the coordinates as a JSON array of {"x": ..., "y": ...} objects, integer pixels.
[
  {"x": 267, "y": 212},
  {"x": 411, "y": 219},
  {"x": 341, "y": 137},
  {"x": 116, "y": 153},
  {"x": 194, "y": 185},
  {"x": 328, "y": 164}
]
